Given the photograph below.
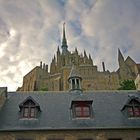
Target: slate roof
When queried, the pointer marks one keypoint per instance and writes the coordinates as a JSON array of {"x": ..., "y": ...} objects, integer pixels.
[{"x": 56, "y": 111}]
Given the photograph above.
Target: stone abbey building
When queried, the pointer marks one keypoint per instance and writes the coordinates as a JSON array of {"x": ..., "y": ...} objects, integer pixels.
[{"x": 55, "y": 79}]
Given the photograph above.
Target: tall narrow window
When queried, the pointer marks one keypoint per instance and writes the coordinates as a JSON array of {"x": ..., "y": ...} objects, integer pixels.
[
  {"x": 77, "y": 81},
  {"x": 73, "y": 83}
]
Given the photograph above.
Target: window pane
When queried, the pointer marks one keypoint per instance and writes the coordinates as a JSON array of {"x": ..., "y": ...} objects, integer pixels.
[
  {"x": 130, "y": 111},
  {"x": 137, "y": 111},
  {"x": 26, "y": 112},
  {"x": 82, "y": 111},
  {"x": 32, "y": 112}
]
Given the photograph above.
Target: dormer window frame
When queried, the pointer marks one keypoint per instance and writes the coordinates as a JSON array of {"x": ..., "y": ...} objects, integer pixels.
[
  {"x": 132, "y": 107},
  {"x": 29, "y": 109},
  {"x": 82, "y": 110}
]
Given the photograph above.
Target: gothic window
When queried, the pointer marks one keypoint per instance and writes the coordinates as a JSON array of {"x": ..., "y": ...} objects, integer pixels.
[
  {"x": 82, "y": 109},
  {"x": 29, "y": 108}
]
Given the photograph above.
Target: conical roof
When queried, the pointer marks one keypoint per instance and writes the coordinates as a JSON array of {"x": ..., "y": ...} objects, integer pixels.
[{"x": 74, "y": 73}]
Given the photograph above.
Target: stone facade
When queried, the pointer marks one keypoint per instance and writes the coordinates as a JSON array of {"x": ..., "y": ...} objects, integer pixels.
[
  {"x": 3, "y": 95},
  {"x": 124, "y": 134},
  {"x": 137, "y": 80},
  {"x": 56, "y": 79}
]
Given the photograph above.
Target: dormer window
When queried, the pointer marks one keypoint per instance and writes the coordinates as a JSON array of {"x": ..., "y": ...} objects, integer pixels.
[
  {"x": 134, "y": 110},
  {"x": 82, "y": 109},
  {"x": 132, "y": 107},
  {"x": 29, "y": 108}
]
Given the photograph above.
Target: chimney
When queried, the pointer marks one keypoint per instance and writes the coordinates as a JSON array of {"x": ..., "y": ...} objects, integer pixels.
[
  {"x": 103, "y": 64},
  {"x": 3, "y": 96},
  {"x": 47, "y": 68},
  {"x": 44, "y": 66},
  {"x": 40, "y": 64}
]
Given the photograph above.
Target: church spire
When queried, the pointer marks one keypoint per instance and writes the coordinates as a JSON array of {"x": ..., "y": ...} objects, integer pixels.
[
  {"x": 64, "y": 41},
  {"x": 120, "y": 58}
]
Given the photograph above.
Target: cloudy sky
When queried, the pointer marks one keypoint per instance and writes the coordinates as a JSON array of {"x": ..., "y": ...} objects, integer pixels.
[{"x": 31, "y": 30}]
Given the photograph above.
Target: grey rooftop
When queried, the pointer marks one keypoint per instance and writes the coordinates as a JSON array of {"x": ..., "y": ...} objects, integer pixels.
[{"x": 56, "y": 111}]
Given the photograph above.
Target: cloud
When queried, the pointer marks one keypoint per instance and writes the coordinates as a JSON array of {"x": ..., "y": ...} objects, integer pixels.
[{"x": 30, "y": 32}]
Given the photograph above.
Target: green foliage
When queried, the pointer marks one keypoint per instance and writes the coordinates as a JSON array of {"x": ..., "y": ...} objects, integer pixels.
[
  {"x": 43, "y": 89},
  {"x": 127, "y": 85}
]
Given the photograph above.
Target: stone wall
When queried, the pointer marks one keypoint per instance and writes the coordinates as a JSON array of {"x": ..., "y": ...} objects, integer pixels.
[
  {"x": 131, "y": 134},
  {"x": 3, "y": 95}
]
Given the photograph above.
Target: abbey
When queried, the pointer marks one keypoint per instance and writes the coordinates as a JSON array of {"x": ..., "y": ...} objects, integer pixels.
[{"x": 55, "y": 79}]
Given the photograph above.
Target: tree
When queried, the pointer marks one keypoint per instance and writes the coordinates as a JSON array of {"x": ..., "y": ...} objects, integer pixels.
[
  {"x": 43, "y": 88},
  {"x": 127, "y": 85}
]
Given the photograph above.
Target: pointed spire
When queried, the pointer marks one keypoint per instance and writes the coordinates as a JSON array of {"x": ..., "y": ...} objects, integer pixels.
[
  {"x": 58, "y": 50},
  {"x": 54, "y": 58},
  {"x": 64, "y": 41},
  {"x": 85, "y": 55},
  {"x": 89, "y": 56},
  {"x": 76, "y": 51},
  {"x": 120, "y": 58}
]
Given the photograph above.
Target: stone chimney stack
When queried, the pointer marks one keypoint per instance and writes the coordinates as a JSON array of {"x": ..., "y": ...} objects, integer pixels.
[
  {"x": 44, "y": 66},
  {"x": 103, "y": 64},
  {"x": 3, "y": 96},
  {"x": 41, "y": 64},
  {"x": 47, "y": 68}
]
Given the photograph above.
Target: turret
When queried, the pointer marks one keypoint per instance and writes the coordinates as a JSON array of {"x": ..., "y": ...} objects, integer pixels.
[
  {"x": 90, "y": 60},
  {"x": 85, "y": 58},
  {"x": 58, "y": 51},
  {"x": 76, "y": 51},
  {"x": 74, "y": 79},
  {"x": 58, "y": 58}
]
